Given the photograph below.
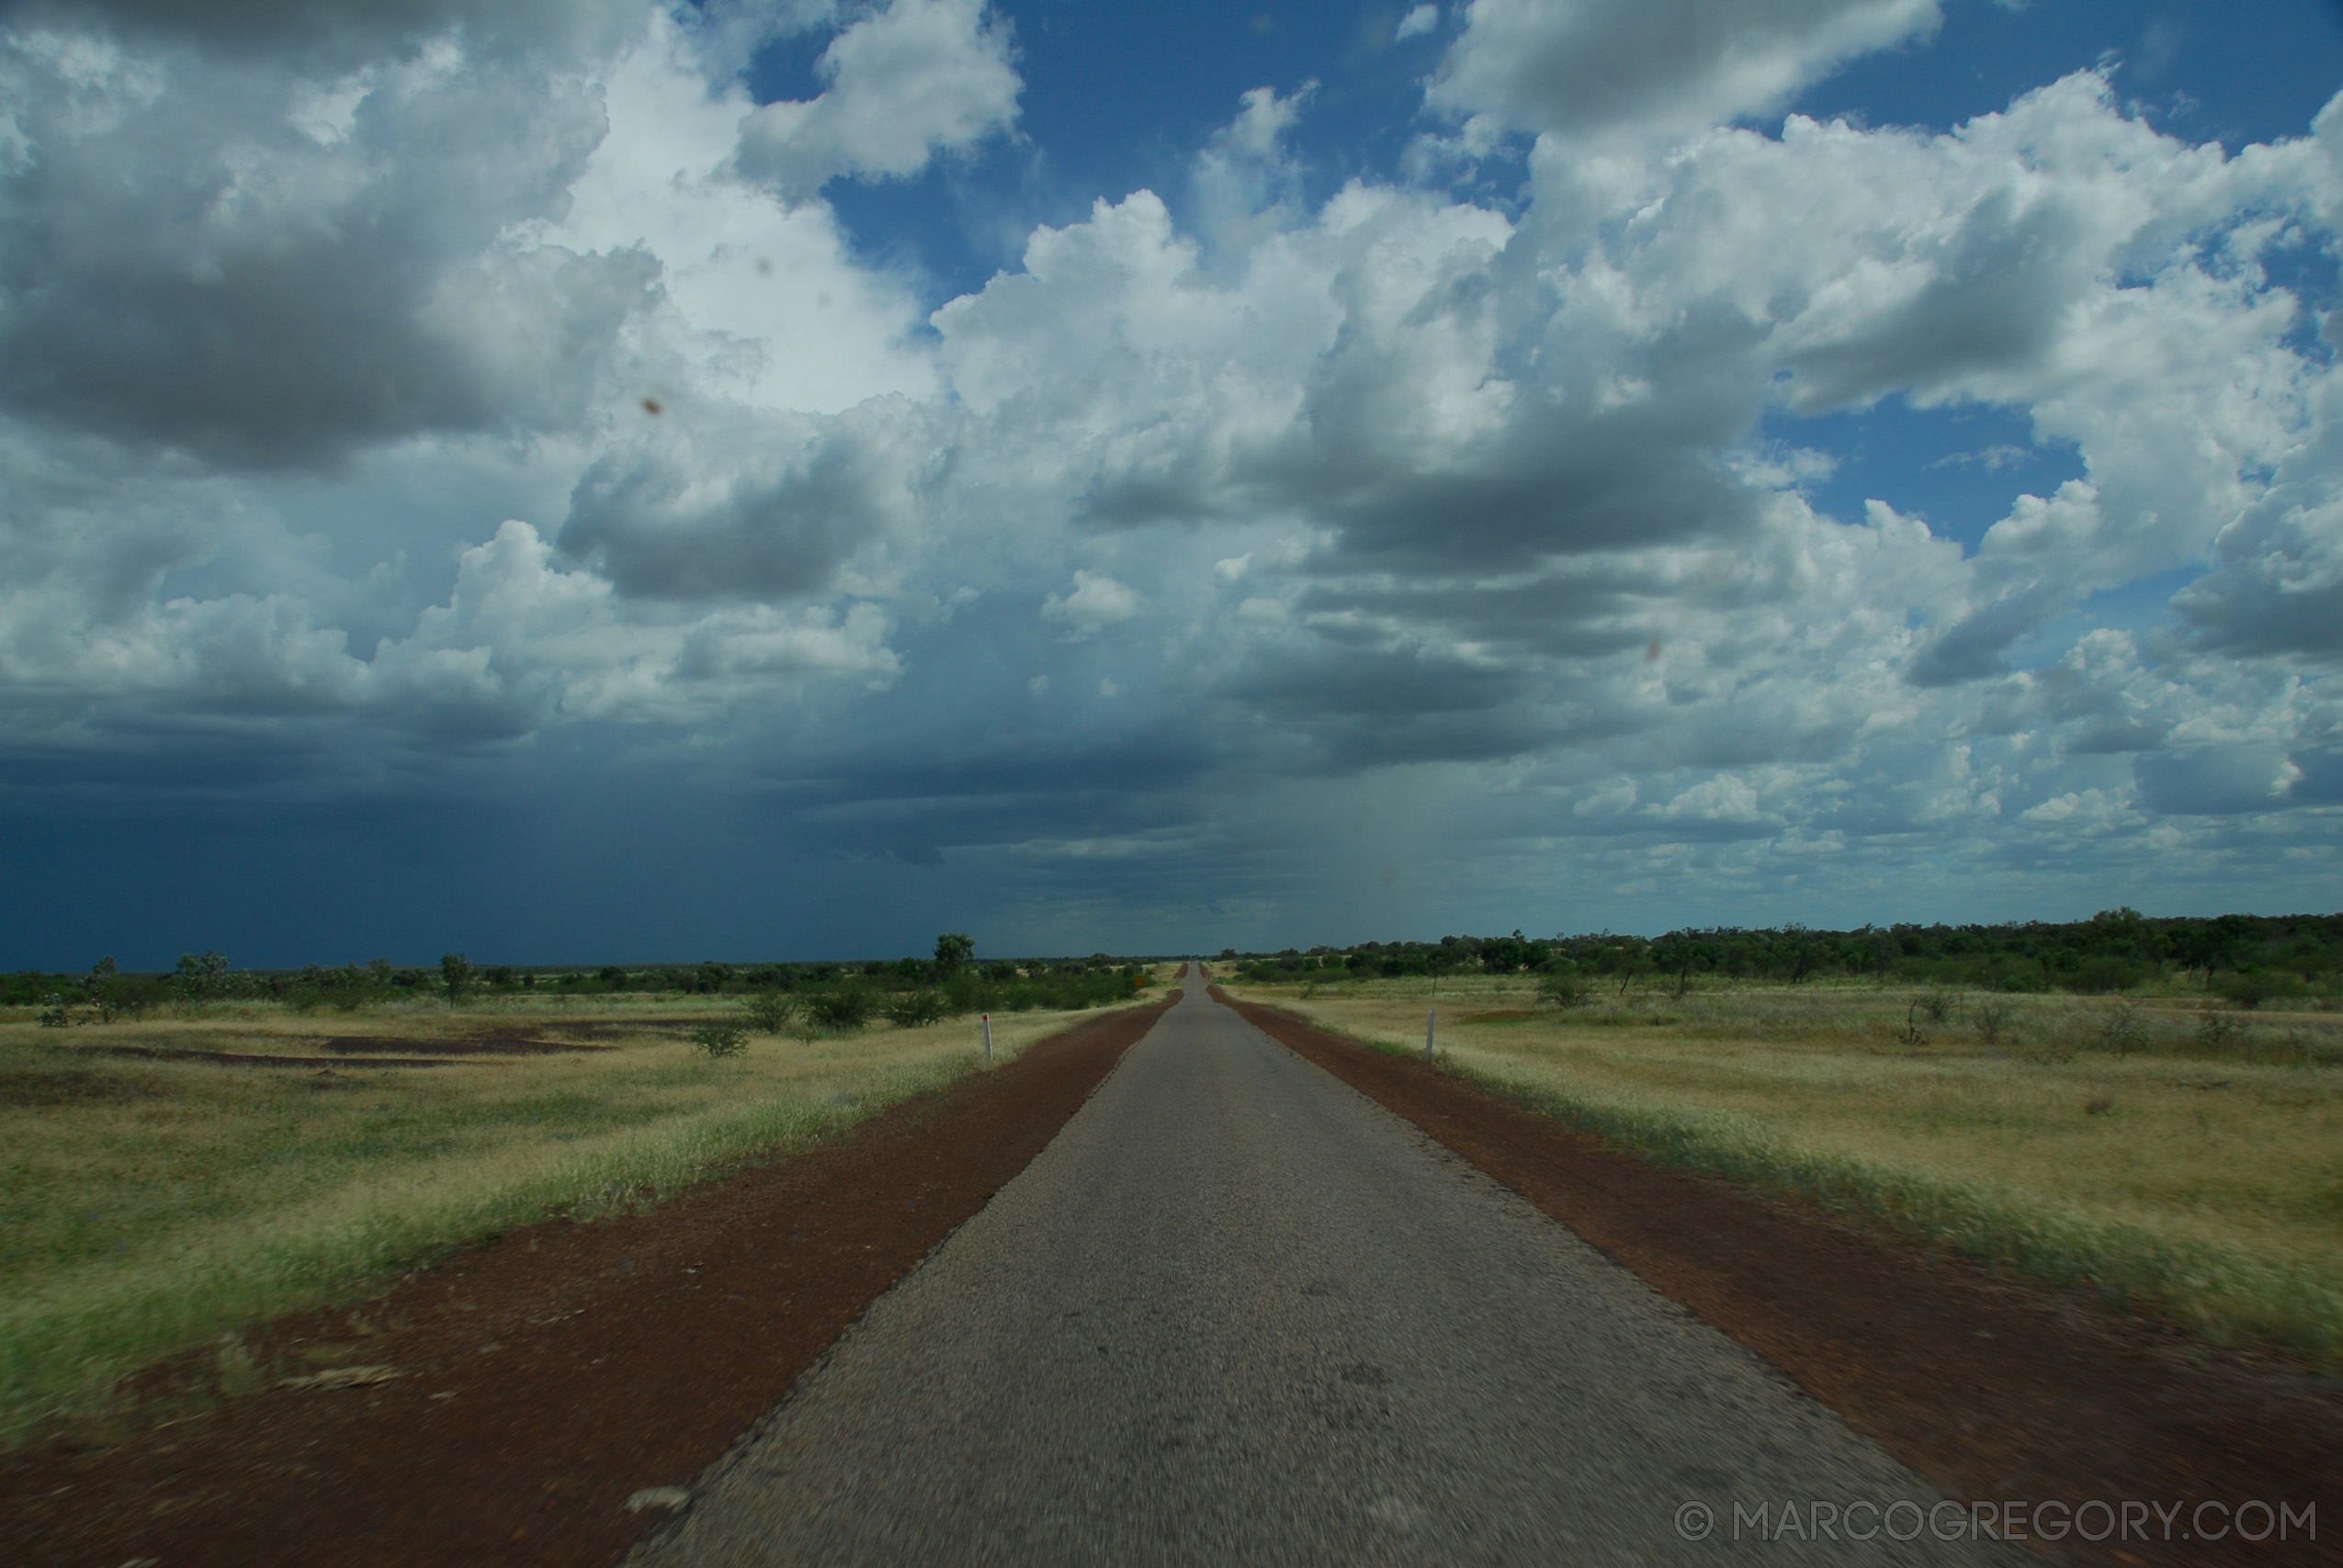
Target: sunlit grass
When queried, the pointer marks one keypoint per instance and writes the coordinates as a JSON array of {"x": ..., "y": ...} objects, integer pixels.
[
  {"x": 2190, "y": 1182},
  {"x": 147, "y": 1206}
]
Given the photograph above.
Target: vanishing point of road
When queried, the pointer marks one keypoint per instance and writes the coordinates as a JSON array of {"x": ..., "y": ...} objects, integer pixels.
[{"x": 1237, "y": 1313}]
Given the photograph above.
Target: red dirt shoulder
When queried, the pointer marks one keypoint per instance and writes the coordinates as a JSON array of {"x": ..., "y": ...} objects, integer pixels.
[{"x": 1996, "y": 1389}]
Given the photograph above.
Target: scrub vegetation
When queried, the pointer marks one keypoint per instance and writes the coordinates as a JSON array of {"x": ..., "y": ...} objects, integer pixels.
[
  {"x": 953, "y": 980},
  {"x": 152, "y": 1201},
  {"x": 2244, "y": 959},
  {"x": 2173, "y": 1151}
]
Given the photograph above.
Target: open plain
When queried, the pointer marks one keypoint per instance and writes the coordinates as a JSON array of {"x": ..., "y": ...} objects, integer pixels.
[
  {"x": 1268, "y": 1296},
  {"x": 2167, "y": 1155},
  {"x": 173, "y": 1182}
]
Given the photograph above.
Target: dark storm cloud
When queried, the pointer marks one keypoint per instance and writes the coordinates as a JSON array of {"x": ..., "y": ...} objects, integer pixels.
[
  {"x": 195, "y": 270},
  {"x": 1978, "y": 646},
  {"x": 1998, "y": 284},
  {"x": 339, "y": 27},
  {"x": 1578, "y": 616},
  {"x": 1042, "y": 787},
  {"x": 1474, "y": 515},
  {"x": 72, "y": 770},
  {"x": 2214, "y": 780},
  {"x": 1355, "y": 705},
  {"x": 718, "y": 506},
  {"x": 2277, "y": 583}
]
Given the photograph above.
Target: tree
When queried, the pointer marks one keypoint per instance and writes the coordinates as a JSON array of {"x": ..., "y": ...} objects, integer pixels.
[
  {"x": 1504, "y": 954},
  {"x": 1627, "y": 957},
  {"x": 1681, "y": 953},
  {"x": 954, "y": 949},
  {"x": 456, "y": 970},
  {"x": 202, "y": 974}
]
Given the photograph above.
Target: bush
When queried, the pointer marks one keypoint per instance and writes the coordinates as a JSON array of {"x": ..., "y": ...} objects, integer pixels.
[
  {"x": 915, "y": 1007},
  {"x": 844, "y": 1011},
  {"x": 2255, "y": 986},
  {"x": 2218, "y": 1030},
  {"x": 1563, "y": 988},
  {"x": 770, "y": 1011},
  {"x": 131, "y": 994},
  {"x": 720, "y": 1039},
  {"x": 2123, "y": 1033}
]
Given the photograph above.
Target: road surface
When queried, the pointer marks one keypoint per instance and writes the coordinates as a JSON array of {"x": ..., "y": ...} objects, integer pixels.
[{"x": 1238, "y": 1312}]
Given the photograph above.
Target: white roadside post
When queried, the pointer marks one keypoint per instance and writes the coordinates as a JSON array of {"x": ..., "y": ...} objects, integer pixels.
[
  {"x": 988, "y": 1036},
  {"x": 1427, "y": 1033}
]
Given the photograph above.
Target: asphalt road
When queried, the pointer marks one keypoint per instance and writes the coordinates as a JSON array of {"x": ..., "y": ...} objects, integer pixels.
[{"x": 1236, "y": 1313}]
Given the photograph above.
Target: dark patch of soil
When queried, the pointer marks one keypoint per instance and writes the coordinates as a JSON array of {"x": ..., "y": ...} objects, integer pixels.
[
  {"x": 615, "y": 1029},
  {"x": 1997, "y": 1389},
  {"x": 475, "y": 1045},
  {"x": 545, "y": 1378},
  {"x": 244, "y": 1059}
]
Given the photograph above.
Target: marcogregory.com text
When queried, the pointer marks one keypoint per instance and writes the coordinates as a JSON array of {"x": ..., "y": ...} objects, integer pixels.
[{"x": 1907, "y": 1518}]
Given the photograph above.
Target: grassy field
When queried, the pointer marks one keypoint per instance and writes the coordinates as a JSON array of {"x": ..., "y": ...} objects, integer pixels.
[
  {"x": 147, "y": 1206},
  {"x": 2135, "y": 1151}
]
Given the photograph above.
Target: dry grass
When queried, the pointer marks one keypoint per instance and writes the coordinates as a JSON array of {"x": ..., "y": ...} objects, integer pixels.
[
  {"x": 2127, "y": 1153},
  {"x": 147, "y": 1206}
]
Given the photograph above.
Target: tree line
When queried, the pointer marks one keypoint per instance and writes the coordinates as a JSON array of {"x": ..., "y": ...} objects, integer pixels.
[
  {"x": 2249, "y": 957},
  {"x": 958, "y": 981}
]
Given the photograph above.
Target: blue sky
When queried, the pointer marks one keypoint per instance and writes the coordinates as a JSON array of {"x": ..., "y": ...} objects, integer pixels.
[{"x": 583, "y": 480}]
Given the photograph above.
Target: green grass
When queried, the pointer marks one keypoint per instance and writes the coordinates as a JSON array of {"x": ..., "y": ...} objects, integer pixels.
[
  {"x": 2204, "y": 1189},
  {"x": 149, "y": 1206}
]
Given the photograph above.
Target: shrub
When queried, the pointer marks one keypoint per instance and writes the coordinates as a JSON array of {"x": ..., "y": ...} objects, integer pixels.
[
  {"x": 349, "y": 987},
  {"x": 2255, "y": 986},
  {"x": 2217, "y": 1029},
  {"x": 720, "y": 1039},
  {"x": 915, "y": 1007},
  {"x": 1563, "y": 988},
  {"x": 2123, "y": 1033},
  {"x": 844, "y": 1011},
  {"x": 1992, "y": 1020},
  {"x": 770, "y": 1011},
  {"x": 131, "y": 994}
]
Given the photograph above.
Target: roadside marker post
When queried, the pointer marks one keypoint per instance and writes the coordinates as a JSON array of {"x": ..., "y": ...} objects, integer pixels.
[
  {"x": 988, "y": 1036},
  {"x": 1427, "y": 1033}
]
